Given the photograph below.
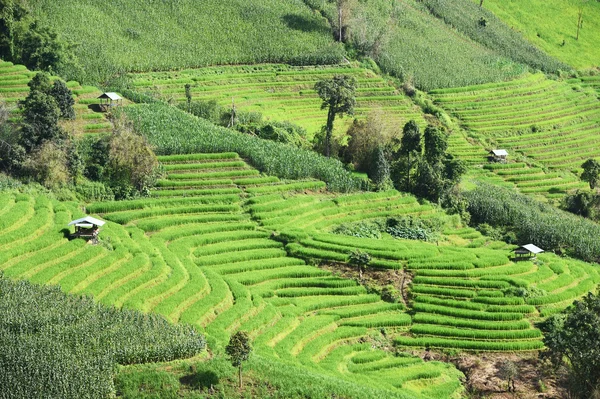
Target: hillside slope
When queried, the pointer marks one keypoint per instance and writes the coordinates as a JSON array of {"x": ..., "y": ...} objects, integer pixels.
[
  {"x": 552, "y": 26},
  {"x": 135, "y": 35}
]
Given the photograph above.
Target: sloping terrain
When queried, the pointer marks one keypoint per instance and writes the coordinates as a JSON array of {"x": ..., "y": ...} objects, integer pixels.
[
  {"x": 13, "y": 87},
  {"x": 552, "y": 26},
  {"x": 554, "y": 126},
  {"x": 224, "y": 248},
  {"x": 134, "y": 35},
  {"x": 282, "y": 93},
  {"x": 197, "y": 257}
]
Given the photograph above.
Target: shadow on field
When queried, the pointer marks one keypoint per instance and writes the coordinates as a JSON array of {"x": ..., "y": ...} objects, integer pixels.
[
  {"x": 304, "y": 24},
  {"x": 95, "y": 107},
  {"x": 204, "y": 379}
]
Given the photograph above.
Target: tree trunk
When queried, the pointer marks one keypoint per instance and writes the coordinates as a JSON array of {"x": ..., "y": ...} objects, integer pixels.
[
  {"x": 329, "y": 131},
  {"x": 340, "y": 22},
  {"x": 240, "y": 376},
  {"x": 408, "y": 174},
  {"x": 480, "y": 3}
]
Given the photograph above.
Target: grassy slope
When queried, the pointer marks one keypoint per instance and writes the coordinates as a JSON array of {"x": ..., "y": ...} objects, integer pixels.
[
  {"x": 423, "y": 48},
  {"x": 205, "y": 256},
  {"x": 281, "y": 92},
  {"x": 135, "y": 35},
  {"x": 548, "y": 23}
]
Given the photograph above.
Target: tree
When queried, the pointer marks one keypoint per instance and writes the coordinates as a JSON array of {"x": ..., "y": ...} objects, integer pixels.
[
  {"x": 344, "y": 11},
  {"x": 238, "y": 349},
  {"x": 359, "y": 259},
  {"x": 364, "y": 137},
  {"x": 436, "y": 144},
  {"x": 64, "y": 99},
  {"x": 48, "y": 165},
  {"x": 575, "y": 336},
  {"x": 41, "y": 49},
  {"x": 582, "y": 203},
  {"x": 338, "y": 95},
  {"x": 410, "y": 146},
  {"x": 591, "y": 172},
  {"x": 40, "y": 114},
  {"x": 12, "y": 154},
  {"x": 429, "y": 182},
  {"x": 132, "y": 165},
  {"x": 579, "y": 20},
  {"x": 508, "y": 371},
  {"x": 379, "y": 171},
  {"x": 11, "y": 13},
  {"x": 40, "y": 82},
  {"x": 188, "y": 96}
]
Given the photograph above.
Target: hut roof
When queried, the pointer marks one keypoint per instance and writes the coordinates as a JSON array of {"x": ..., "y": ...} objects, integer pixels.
[
  {"x": 530, "y": 248},
  {"x": 88, "y": 220},
  {"x": 499, "y": 153},
  {"x": 111, "y": 95}
]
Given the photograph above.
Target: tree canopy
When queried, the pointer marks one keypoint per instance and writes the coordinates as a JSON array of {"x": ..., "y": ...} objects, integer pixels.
[
  {"x": 339, "y": 98},
  {"x": 238, "y": 349},
  {"x": 575, "y": 336},
  {"x": 591, "y": 172}
]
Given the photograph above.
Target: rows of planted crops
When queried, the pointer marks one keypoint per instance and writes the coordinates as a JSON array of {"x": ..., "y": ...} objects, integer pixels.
[
  {"x": 281, "y": 92},
  {"x": 225, "y": 248},
  {"x": 13, "y": 87},
  {"x": 195, "y": 255},
  {"x": 555, "y": 125}
]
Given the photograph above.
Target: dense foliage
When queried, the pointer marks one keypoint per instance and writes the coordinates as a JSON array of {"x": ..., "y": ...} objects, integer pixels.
[
  {"x": 25, "y": 40},
  {"x": 534, "y": 222},
  {"x": 173, "y": 131},
  {"x": 338, "y": 96},
  {"x": 55, "y": 345},
  {"x": 575, "y": 335},
  {"x": 133, "y": 35}
]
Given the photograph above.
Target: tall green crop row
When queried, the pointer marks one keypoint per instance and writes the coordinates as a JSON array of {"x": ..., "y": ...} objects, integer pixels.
[
  {"x": 173, "y": 131},
  {"x": 56, "y": 345},
  {"x": 141, "y": 36},
  {"x": 535, "y": 222}
]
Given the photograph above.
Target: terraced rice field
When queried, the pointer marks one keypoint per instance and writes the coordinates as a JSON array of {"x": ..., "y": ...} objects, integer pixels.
[
  {"x": 224, "y": 248},
  {"x": 591, "y": 81},
  {"x": 13, "y": 87},
  {"x": 196, "y": 256},
  {"x": 554, "y": 125},
  {"x": 281, "y": 92}
]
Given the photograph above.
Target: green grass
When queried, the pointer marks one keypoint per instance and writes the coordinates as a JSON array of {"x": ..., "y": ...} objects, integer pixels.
[
  {"x": 173, "y": 132},
  {"x": 553, "y": 124},
  {"x": 282, "y": 92},
  {"x": 165, "y": 36},
  {"x": 547, "y": 24},
  {"x": 417, "y": 46},
  {"x": 227, "y": 261}
]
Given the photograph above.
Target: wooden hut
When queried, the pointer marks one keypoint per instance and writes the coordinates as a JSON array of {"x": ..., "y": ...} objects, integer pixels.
[
  {"x": 527, "y": 252},
  {"x": 498, "y": 155},
  {"x": 109, "y": 100},
  {"x": 86, "y": 227}
]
